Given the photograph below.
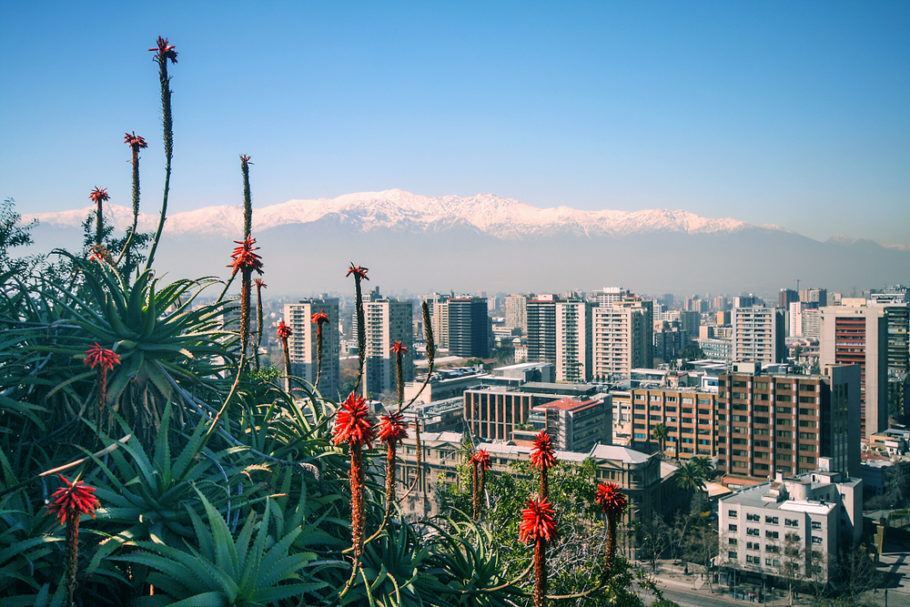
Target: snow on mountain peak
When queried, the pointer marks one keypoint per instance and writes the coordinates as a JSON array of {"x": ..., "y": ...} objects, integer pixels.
[{"x": 496, "y": 216}]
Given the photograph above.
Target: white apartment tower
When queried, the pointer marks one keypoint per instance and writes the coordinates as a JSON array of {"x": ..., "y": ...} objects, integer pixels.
[
  {"x": 574, "y": 347},
  {"x": 302, "y": 343},
  {"x": 615, "y": 333},
  {"x": 516, "y": 309},
  {"x": 758, "y": 335},
  {"x": 387, "y": 321}
]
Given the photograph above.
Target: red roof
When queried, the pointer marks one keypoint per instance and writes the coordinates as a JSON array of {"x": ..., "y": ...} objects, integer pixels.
[{"x": 569, "y": 404}]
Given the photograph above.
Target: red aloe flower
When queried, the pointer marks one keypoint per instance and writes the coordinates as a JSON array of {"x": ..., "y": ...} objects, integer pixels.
[
  {"x": 283, "y": 331},
  {"x": 99, "y": 195},
  {"x": 542, "y": 456},
  {"x": 73, "y": 499},
  {"x": 392, "y": 428},
  {"x": 69, "y": 503},
  {"x": 398, "y": 348},
  {"x": 318, "y": 318},
  {"x": 613, "y": 502},
  {"x": 538, "y": 521},
  {"x": 98, "y": 357},
  {"x": 245, "y": 257},
  {"x": 610, "y": 498},
  {"x": 354, "y": 427},
  {"x": 538, "y": 525},
  {"x": 358, "y": 272},
  {"x": 481, "y": 458},
  {"x": 134, "y": 141},
  {"x": 260, "y": 284},
  {"x": 353, "y": 424},
  {"x": 163, "y": 49}
]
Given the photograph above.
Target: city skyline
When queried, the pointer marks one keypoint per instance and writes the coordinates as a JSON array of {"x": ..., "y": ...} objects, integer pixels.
[{"x": 792, "y": 120}]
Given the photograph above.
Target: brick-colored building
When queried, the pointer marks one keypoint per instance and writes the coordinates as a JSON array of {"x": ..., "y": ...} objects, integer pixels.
[{"x": 758, "y": 424}]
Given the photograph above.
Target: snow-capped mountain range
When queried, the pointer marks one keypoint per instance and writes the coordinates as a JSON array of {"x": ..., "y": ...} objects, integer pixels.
[{"x": 502, "y": 218}]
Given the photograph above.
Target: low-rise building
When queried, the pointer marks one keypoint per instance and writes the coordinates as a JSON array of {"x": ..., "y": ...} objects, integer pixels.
[
  {"x": 647, "y": 481},
  {"x": 573, "y": 424},
  {"x": 791, "y": 528}
]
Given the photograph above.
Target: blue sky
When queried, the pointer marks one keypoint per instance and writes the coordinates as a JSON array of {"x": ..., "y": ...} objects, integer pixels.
[{"x": 795, "y": 114}]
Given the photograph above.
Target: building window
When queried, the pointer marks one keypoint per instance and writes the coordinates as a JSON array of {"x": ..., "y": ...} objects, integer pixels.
[
  {"x": 731, "y": 555},
  {"x": 731, "y": 527},
  {"x": 733, "y": 541},
  {"x": 771, "y": 534},
  {"x": 753, "y": 517},
  {"x": 816, "y": 525},
  {"x": 816, "y": 539},
  {"x": 751, "y": 531},
  {"x": 732, "y": 514},
  {"x": 771, "y": 520},
  {"x": 791, "y": 522}
]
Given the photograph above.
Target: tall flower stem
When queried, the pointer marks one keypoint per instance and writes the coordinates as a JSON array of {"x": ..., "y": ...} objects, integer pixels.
[
  {"x": 164, "y": 52},
  {"x": 612, "y": 502},
  {"x": 283, "y": 333},
  {"x": 99, "y": 196},
  {"x": 259, "y": 286},
  {"x": 480, "y": 461},
  {"x": 136, "y": 143},
  {"x": 354, "y": 427},
  {"x": 538, "y": 525},
  {"x": 247, "y": 196},
  {"x": 245, "y": 260},
  {"x": 360, "y": 273},
  {"x": 540, "y": 573},
  {"x": 69, "y": 503},
  {"x": 319, "y": 319}
]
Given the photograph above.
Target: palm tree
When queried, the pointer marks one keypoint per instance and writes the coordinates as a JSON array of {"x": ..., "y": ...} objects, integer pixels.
[
  {"x": 660, "y": 434},
  {"x": 690, "y": 476}
]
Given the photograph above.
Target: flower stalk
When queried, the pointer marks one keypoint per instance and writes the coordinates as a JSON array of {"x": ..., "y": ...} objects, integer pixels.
[
  {"x": 68, "y": 504},
  {"x": 245, "y": 260},
  {"x": 354, "y": 427},
  {"x": 164, "y": 52},
  {"x": 538, "y": 526},
  {"x": 99, "y": 196},
  {"x": 260, "y": 285},
  {"x": 104, "y": 360},
  {"x": 319, "y": 319},
  {"x": 136, "y": 143},
  {"x": 480, "y": 463},
  {"x": 360, "y": 273},
  {"x": 613, "y": 503},
  {"x": 543, "y": 458},
  {"x": 284, "y": 332}
]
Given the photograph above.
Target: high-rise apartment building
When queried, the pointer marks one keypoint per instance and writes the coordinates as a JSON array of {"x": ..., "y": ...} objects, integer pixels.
[
  {"x": 785, "y": 423},
  {"x": 574, "y": 348},
  {"x": 387, "y": 321},
  {"x": 302, "y": 343},
  {"x": 758, "y": 335},
  {"x": 516, "y": 312},
  {"x": 622, "y": 334},
  {"x": 858, "y": 335},
  {"x": 541, "y": 318},
  {"x": 469, "y": 327},
  {"x": 439, "y": 320}
]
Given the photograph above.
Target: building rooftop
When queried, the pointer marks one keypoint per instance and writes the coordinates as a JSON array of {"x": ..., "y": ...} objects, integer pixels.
[
  {"x": 600, "y": 452},
  {"x": 569, "y": 404}
]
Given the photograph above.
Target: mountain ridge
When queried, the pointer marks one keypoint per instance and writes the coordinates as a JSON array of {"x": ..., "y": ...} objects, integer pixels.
[{"x": 500, "y": 217}]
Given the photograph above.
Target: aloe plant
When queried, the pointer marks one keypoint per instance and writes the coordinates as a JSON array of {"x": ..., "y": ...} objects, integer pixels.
[{"x": 252, "y": 568}]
